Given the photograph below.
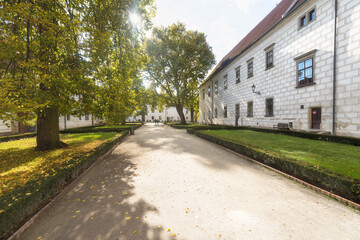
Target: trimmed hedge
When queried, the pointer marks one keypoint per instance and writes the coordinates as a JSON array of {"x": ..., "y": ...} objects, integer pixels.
[
  {"x": 16, "y": 137},
  {"x": 93, "y": 129},
  {"x": 314, "y": 136},
  {"x": 346, "y": 187},
  {"x": 38, "y": 193}
]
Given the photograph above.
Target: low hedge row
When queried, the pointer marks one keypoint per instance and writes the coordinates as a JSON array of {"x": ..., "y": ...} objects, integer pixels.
[
  {"x": 323, "y": 178},
  {"x": 16, "y": 137},
  {"x": 308, "y": 135},
  {"x": 37, "y": 194},
  {"x": 95, "y": 129}
]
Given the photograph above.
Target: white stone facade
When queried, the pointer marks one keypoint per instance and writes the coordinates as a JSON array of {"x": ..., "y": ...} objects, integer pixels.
[
  {"x": 167, "y": 114},
  {"x": 70, "y": 121},
  {"x": 7, "y": 129},
  {"x": 293, "y": 104}
]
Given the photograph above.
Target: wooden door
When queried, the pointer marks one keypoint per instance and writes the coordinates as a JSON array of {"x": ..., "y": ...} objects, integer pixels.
[{"x": 315, "y": 118}]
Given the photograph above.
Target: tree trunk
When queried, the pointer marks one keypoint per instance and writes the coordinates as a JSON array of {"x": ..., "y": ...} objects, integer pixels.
[
  {"x": 179, "y": 109},
  {"x": 48, "y": 137},
  {"x": 192, "y": 114}
]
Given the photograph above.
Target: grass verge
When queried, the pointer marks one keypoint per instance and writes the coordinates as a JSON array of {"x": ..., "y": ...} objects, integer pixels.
[
  {"x": 29, "y": 179},
  {"x": 332, "y": 166}
]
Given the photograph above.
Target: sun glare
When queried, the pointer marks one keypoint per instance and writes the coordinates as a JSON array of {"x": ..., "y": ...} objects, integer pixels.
[{"x": 135, "y": 19}]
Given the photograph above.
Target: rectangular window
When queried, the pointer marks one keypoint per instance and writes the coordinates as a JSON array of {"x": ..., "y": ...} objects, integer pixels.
[
  {"x": 216, "y": 87},
  {"x": 225, "y": 82},
  {"x": 237, "y": 75},
  {"x": 209, "y": 91},
  {"x": 80, "y": 117},
  {"x": 250, "y": 109},
  {"x": 203, "y": 93},
  {"x": 216, "y": 113},
  {"x": 312, "y": 15},
  {"x": 87, "y": 117},
  {"x": 302, "y": 21},
  {"x": 250, "y": 69},
  {"x": 305, "y": 72},
  {"x": 269, "y": 110},
  {"x": 68, "y": 117},
  {"x": 204, "y": 116},
  {"x": 237, "y": 110},
  {"x": 209, "y": 114},
  {"x": 225, "y": 112},
  {"x": 270, "y": 59}
]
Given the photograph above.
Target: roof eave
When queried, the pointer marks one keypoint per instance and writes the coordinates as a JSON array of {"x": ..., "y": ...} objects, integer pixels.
[{"x": 229, "y": 61}]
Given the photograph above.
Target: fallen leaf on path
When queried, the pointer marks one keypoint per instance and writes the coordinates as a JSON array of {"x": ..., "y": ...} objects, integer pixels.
[
  {"x": 174, "y": 235},
  {"x": 134, "y": 232},
  {"x": 128, "y": 218},
  {"x": 168, "y": 229}
]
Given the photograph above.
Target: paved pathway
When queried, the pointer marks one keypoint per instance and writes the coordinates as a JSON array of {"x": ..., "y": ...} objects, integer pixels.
[{"x": 162, "y": 181}]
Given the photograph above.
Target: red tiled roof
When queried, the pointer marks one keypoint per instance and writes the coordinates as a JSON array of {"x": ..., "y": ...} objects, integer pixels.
[{"x": 280, "y": 12}]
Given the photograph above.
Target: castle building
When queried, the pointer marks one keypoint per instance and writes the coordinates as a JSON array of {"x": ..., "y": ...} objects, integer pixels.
[{"x": 300, "y": 66}]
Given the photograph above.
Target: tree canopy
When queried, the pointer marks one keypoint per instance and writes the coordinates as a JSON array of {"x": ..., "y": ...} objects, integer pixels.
[
  {"x": 179, "y": 61},
  {"x": 61, "y": 56}
]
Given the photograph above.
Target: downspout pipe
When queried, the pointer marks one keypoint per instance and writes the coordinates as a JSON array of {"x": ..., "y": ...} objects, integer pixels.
[
  {"x": 212, "y": 101},
  {"x": 334, "y": 68}
]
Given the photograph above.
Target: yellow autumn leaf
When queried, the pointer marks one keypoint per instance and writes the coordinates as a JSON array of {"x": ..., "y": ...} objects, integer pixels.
[
  {"x": 168, "y": 229},
  {"x": 134, "y": 232}
]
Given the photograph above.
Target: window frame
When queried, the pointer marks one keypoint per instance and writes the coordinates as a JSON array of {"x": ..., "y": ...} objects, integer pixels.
[
  {"x": 216, "y": 87},
  {"x": 250, "y": 62},
  {"x": 309, "y": 14},
  {"x": 237, "y": 78},
  {"x": 302, "y": 23},
  {"x": 250, "y": 114},
  {"x": 303, "y": 58},
  {"x": 237, "y": 110},
  {"x": 209, "y": 91},
  {"x": 225, "y": 112},
  {"x": 216, "y": 113},
  {"x": 87, "y": 117},
  {"x": 225, "y": 82},
  {"x": 268, "y": 113},
  {"x": 204, "y": 93}
]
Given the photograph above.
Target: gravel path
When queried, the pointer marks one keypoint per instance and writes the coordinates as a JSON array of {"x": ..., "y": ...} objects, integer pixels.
[{"x": 162, "y": 183}]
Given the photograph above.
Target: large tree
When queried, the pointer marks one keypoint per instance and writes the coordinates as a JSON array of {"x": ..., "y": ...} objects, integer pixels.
[
  {"x": 179, "y": 60},
  {"x": 61, "y": 56}
]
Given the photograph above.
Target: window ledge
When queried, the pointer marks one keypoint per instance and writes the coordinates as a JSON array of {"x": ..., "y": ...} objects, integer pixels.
[
  {"x": 250, "y": 116},
  {"x": 306, "y": 85},
  {"x": 269, "y": 116},
  {"x": 250, "y": 76},
  {"x": 269, "y": 68}
]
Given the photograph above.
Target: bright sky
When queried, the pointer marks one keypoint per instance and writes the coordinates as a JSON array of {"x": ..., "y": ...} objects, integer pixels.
[{"x": 225, "y": 22}]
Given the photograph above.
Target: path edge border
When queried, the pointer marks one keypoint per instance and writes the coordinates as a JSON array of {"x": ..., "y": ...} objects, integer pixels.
[
  {"x": 16, "y": 234},
  {"x": 354, "y": 206}
]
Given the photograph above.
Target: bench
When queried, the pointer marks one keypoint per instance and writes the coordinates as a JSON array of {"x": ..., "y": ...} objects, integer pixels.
[{"x": 282, "y": 126}]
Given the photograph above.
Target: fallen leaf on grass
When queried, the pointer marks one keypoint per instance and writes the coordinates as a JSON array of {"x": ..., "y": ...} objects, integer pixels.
[{"x": 128, "y": 218}]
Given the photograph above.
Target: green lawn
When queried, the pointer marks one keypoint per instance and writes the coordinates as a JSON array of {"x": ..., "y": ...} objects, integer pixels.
[
  {"x": 125, "y": 126},
  {"x": 19, "y": 163},
  {"x": 188, "y": 125},
  {"x": 339, "y": 158}
]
